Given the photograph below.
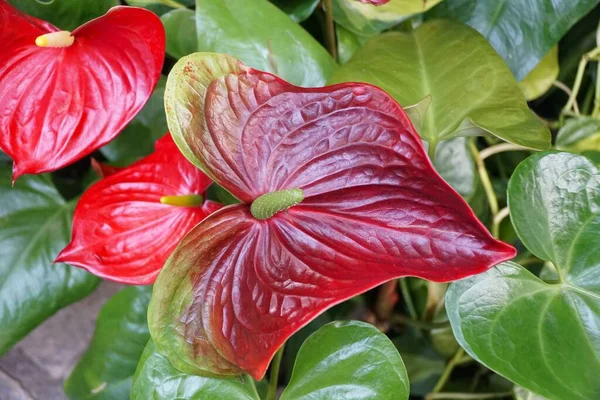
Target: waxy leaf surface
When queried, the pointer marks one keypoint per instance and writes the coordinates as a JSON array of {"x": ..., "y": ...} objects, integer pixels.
[
  {"x": 298, "y": 10},
  {"x": 579, "y": 135},
  {"x": 65, "y": 14},
  {"x": 540, "y": 79},
  {"x": 122, "y": 231},
  {"x": 264, "y": 37},
  {"x": 369, "y": 17},
  {"x": 155, "y": 378},
  {"x": 521, "y": 31},
  {"x": 344, "y": 360},
  {"x": 543, "y": 336},
  {"x": 60, "y": 104},
  {"x": 35, "y": 225},
  {"x": 461, "y": 72},
  {"x": 374, "y": 209},
  {"x": 105, "y": 371}
]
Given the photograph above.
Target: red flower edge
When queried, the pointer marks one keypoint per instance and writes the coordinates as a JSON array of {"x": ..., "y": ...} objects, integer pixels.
[
  {"x": 122, "y": 231},
  {"x": 338, "y": 197},
  {"x": 62, "y": 103}
]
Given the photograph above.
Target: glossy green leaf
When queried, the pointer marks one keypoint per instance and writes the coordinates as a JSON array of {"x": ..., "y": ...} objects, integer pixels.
[
  {"x": 35, "y": 224},
  {"x": 345, "y": 360},
  {"x": 522, "y": 31},
  {"x": 65, "y": 14},
  {"x": 138, "y": 138},
  {"x": 472, "y": 91},
  {"x": 105, "y": 372},
  {"x": 579, "y": 135},
  {"x": 298, "y": 10},
  {"x": 161, "y": 7},
  {"x": 263, "y": 37},
  {"x": 524, "y": 394},
  {"x": 180, "y": 27},
  {"x": 543, "y": 336},
  {"x": 348, "y": 43},
  {"x": 157, "y": 379},
  {"x": 454, "y": 162},
  {"x": 368, "y": 20},
  {"x": 540, "y": 79}
]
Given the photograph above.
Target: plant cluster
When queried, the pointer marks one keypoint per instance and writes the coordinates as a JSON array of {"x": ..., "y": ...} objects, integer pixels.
[{"x": 310, "y": 199}]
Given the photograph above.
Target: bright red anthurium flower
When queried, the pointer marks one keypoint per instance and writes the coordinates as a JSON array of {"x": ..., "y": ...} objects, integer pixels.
[
  {"x": 126, "y": 225},
  {"x": 65, "y": 94},
  {"x": 338, "y": 196}
]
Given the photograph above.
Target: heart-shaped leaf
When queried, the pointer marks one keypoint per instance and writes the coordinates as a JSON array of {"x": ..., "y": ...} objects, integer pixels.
[
  {"x": 522, "y": 31},
  {"x": 542, "y": 336},
  {"x": 61, "y": 103},
  {"x": 263, "y": 37},
  {"x": 157, "y": 379},
  {"x": 298, "y": 10},
  {"x": 362, "y": 204},
  {"x": 431, "y": 61},
  {"x": 65, "y": 14},
  {"x": 345, "y": 360},
  {"x": 579, "y": 135},
  {"x": 369, "y": 17},
  {"x": 540, "y": 79},
  {"x": 35, "y": 224},
  {"x": 105, "y": 372},
  {"x": 127, "y": 224},
  {"x": 180, "y": 27}
]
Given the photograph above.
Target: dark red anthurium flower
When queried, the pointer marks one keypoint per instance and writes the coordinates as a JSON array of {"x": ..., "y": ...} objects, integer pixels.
[
  {"x": 65, "y": 94},
  {"x": 338, "y": 196},
  {"x": 127, "y": 224}
]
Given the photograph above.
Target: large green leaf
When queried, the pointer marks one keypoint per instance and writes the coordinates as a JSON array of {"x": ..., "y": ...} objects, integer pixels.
[
  {"x": 540, "y": 79},
  {"x": 543, "y": 336},
  {"x": 106, "y": 369},
  {"x": 472, "y": 91},
  {"x": 298, "y": 10},
  {"x": 522, "y": 31},
  {"x": 263, "y": 37},
  {"x": 65, "y": 14},
  {"x": 579, "y": 135},
  {"x": 368, "y": 20},
  {"x": 138, "y": 138},
  {"x": 157, "y": 379},
  {"x": 35, "y": 225},
  {"x": 180, "y": 27},
  {"x": 345, "y": 360}
]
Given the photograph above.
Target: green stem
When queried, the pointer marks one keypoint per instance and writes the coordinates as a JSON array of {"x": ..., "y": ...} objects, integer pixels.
[
  {"x": 468, "y": 396},
  {"x": 275, "y": 365},
  {"x": 447, "y": 371},
  {"x": 589, "y": 56},
  {"x": 410, "y": 305},
  {"x": 427, "y": 326},
  {"x": 485, "y": 179},
  {"x": 498, "y": 220},
  {"x": 330, "y": 38},
  {"x": 431, "y": 150},
  {"x": 500, "y": 148}
]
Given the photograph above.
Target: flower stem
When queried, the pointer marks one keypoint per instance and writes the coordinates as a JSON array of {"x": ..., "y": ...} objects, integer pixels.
[
  {"x": 275, "y": 365},
  {"x": 485, "y": 179},
  {"x": 593, "y": 55},
  {"x": 447, "y": 372},
  {"x": 410, "y": 305},
  {"x": 500, "y": 148},
  {"x": 498, "y": 220},
  {"x": 329, "y": 28}
]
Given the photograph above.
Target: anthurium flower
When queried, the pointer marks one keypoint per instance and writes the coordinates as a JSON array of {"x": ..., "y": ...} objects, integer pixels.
[
  {"x": 126, "y": 225},
  {"x": 338, "y": 196},
  {"x": 65, "y": 94}
]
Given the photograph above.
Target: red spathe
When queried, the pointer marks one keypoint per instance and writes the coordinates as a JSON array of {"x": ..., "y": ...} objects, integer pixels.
[
  {"x": 121, "y": 231},
  {"x": 60, "y": 104}
]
